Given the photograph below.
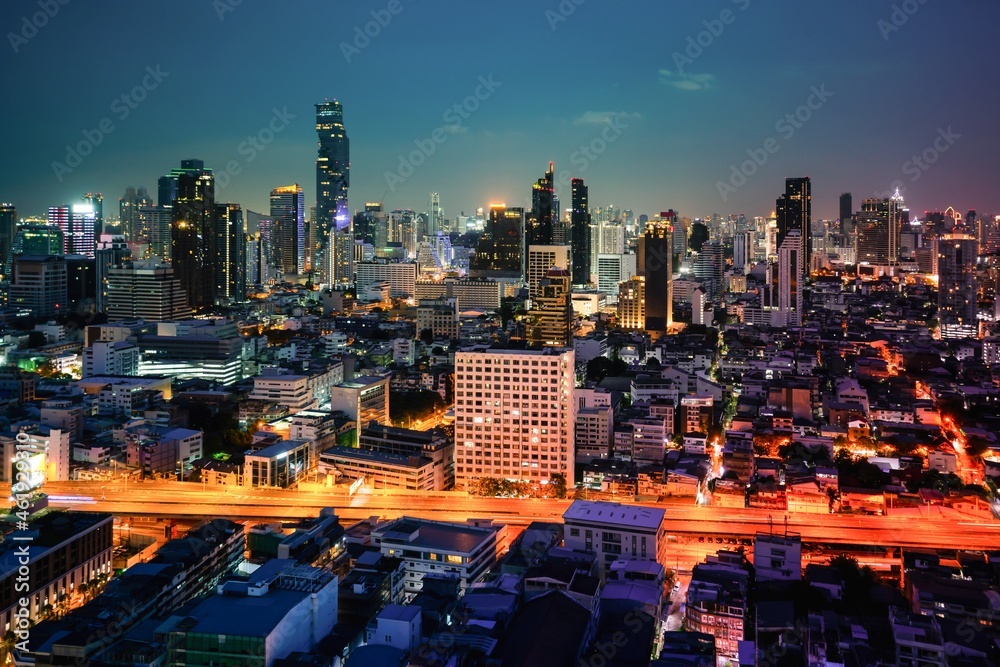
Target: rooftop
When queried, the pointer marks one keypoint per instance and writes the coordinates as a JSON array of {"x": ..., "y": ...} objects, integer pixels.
[
  {"x": 630, "y": 516},
  {"x": 453, "y": 537}
]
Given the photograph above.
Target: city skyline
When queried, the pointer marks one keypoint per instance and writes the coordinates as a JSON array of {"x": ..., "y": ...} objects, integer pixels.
[{"x": 688, "y": 95}]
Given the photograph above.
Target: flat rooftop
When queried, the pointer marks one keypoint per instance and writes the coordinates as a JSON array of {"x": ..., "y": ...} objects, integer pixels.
[
  {"x": 615, "y": 514},
  {"x": 419, "y": 533}
]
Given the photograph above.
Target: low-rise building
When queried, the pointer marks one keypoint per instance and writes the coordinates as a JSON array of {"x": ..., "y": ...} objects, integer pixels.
[{"x": 615, "y": 532}]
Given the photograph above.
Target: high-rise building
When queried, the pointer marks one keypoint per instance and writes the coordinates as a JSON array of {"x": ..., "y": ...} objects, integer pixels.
[
  {"x": 129, "y": 206},
  {"x": 540, "y": 222},
  {"x": 401, "y": 228},
  {"x": 520, "y": 424},
  {"x": 435, "y": 220},
  {"x": 958, "y": 286},
  {"x": 231, "y": 269},
  {"x": 794, "y": 211},
  {"x": 155, "y": 227},
  {"x": 112, "y": 253},
  {"x": 8, "y": 230},
  {"x": 288, "y": 214},
  {"x": 550, "y": 320},
  {"x": 787, "y": 285},
  {"x": 657, "y": 260},
  {"x": 35, "y": 238},
  {"x": 743, "y": 251},
  {"x": 708, "y": 268},
  {"x": 39, "y": 284},
  {"x": 580, "y": 220},
  {"x": 77, "y": 223},
  {"x": 632, "y": 303},
  {"x": 541, "y": 258},
  {"x": 96, "y": 201},
  {"x": 846, "y": 213},
  {"x": 499, "y": 249},
  {"x": 879, "y": 225},
  {"x": 333, "y": 178},
  {"x": 146, "y": 290},
  {"x": 613, "y": 269},
  {"x": 194, "y": 233}
]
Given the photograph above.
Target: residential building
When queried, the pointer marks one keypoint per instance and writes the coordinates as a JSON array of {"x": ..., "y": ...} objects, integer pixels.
[
  {"x": 440, "y": 317},
  {"x": 401, "y": 276},
  {"x": 615, "y": 532},
  {"x": 777, "y": 557}
]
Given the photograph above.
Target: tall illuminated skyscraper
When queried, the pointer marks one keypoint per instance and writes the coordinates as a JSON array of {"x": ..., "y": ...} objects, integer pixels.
[
  {"x": 958, "y": 285},
  {"x": 657, "y": 261},
  {"x": 794, "y": 211},
  {"x": 879, "y": 225},
  {"x": 231, "y": 269},
  {"x": 333, "y": 178},
  {"x": 77, "y": 224},
  {"x": 787, "y": 283},
  {"x": 288, "y": 216},
  {"x": 435, "y": 221},
  {"x": 580, "y": 221},
  {"x": 542, "y": 218},
  {"x": 194, "y": 233},
  {"x": 499, "y": 253},
  {"x": 8, "y": 230},
  {"x": 129, "y": 206}
]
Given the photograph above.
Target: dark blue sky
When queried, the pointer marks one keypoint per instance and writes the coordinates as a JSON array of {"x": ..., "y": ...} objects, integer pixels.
[{"x": 688, "y": 123}]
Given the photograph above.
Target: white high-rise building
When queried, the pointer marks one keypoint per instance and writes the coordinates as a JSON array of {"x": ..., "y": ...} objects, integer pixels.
[
  {"x": 613, "y": 269},
  {"x": 515, "y": 417},
  {"x": 743, "y": 252},
  {"x": 787, "y": 287}
]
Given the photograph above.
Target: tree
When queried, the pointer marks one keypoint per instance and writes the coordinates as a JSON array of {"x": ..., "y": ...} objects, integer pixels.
[
  {"x": 557, "y": 481},
  {"x": 598, "y": 368},
  {"x": 427, "y": 336},
  {"x": 699, "y": 235},
  {"x": 36, "y": 339}
]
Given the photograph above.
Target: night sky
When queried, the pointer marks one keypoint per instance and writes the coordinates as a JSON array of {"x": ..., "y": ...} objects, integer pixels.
[{"x": 682, "y": 122}]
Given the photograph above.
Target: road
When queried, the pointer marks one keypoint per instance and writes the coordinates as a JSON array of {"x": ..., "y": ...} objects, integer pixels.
[{"x": 686, "y": 522}]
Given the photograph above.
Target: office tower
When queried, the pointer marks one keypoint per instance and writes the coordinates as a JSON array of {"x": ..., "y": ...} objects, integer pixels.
[
  {"x": 34, "y": 238},
  {"x": 435, "y": 220},
  {"x": 96, "y": 201},
  {"x": 793, "y": 210},
  {"x": 129, "y": 206},
  {"x": 542, "y": 218},
  {"x": 708, "y": 268},
  {"x": 288, "y": 215},
  {"x": 39, "y": 285},
  {"x": 657, "y": 260},
  {"x": 112, "y": 253},
  {"x": 632, "y": 304},
  {"x": 518, "y": 425},
  {"x": 370, "y": 225},
  {"x": 787, "y": 283},
  {"x": 499, "y": 249},
  {"x": 402, "y": 229},
  {"x": 333, "y": 178},
  {"x": 846, "y": 213},
  {"x": 550, "y": 320},
  {"x": 146, "y": 290},
  {"x": 580, "y": 221},
  {"x": 613, "y": 269},
  {"x": 879, "y": 225},
  {"x": 77, "y": 223},
  {"x": 8, "y": 230},
  {"x": 958, "y": 285},
  {"x": 155, "y": 227},
  {"x": 743, "y": 252},
  {"x": 194, "y": 236},
  {"x": 253, "y": 253},
  {"x": 541, "y": 258},
  {"x": 231, "y": 268}
]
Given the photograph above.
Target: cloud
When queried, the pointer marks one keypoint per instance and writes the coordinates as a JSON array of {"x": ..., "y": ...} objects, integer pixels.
[
  {"x": 604, "y": 117},
  {"x": 685, "y": 81}
]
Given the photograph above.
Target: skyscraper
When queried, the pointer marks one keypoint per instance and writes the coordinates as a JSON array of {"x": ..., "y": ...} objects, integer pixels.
[
  {"x": 542, "y": 258},
  {"x": 794, "y": 211},
  {"x": 580, "y": 221},
  {"x": 708, "y": 268},
  {"x": 541, "y": 220},
  {"x": 8, "y": 230},
  {"x": 96, "y": 201},
  {"x": 787, "y": 283},
  {"x": 958, "y": 285},
  {"x": 520, "y": 424},
  {"x": 435, "y": 221},
  {"x": 846, "y": 213},
  {"x": 499, "y": 249},
  {"x": 743, "y": 251},
  {"x": 155, "y": 224},
  {"x": 288, "y": 215},
  {"x": 77, "y": 224},
  {"x": 37, "y": 239},
  {"x": 146, "y": 290},
  {"x": 550, "y": 320},
  {"x": 879, "y": 225},
  {"x": 333, "y": 178},
  {"x": 657, "y": 243},
  {"x": 194, "y": 233},
  {"x": 129, "y": 206},
  {"x": 231, "y": 270},
  {"x": 39, "y": 285},
  {"x": 112, "y": 253}
]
